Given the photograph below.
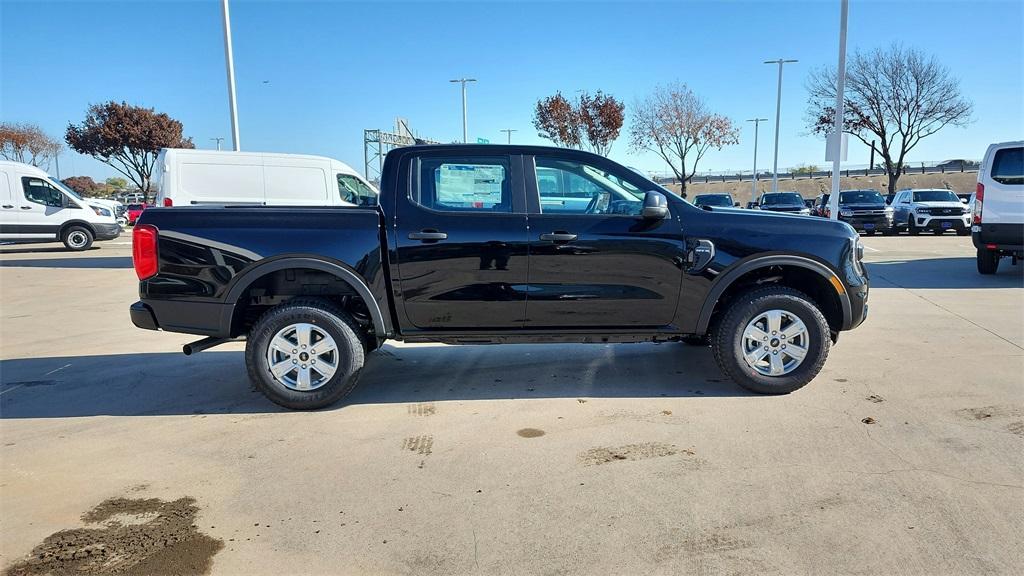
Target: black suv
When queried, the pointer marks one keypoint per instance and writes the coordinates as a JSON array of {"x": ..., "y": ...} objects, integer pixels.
[
  {"x": 790, "y": 202},
  {"x": 719, "y": 200},
  {"x": 866, "y": 211}
]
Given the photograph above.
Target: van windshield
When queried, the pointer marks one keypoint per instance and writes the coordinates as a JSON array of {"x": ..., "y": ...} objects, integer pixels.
[
  {"x": 355, "y": 192},
  {"x": 65, "y": 188}
]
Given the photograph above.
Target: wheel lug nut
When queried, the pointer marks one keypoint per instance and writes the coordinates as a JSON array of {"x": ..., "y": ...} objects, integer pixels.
[
  {"x": 775, "y": 351},
  {"x": 303, "y": 365},
  {"x": 312, "y": 361},
  {"x": 294, "y": 361},
  {"x": 774, "y": 332},
  {"x": 303, "y": 346},
  {"x": 295, "y": 351},
  {"x": 783, "y": 346}
]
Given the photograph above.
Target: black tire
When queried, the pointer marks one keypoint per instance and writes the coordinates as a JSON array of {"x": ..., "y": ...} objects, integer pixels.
[
  {"x": 891, "y": 231},
  {"x": 988, "y": 261},
  {"x": 327, "y": 317},
  {"x": 694, "y": 340},
  {"x": 938, "y": 231},
  {"x": 727, "y": 339},
  {"x": 963, "y": 232},
  {"x": 869, "y": 232},
  {"x": 912, "y": 228},
  {"x": 77, "y": 238}
]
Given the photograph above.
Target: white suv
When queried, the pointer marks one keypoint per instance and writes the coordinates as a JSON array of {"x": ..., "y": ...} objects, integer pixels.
[
  {"x": 998, "y": 220},
  {"x": 936, "y": 210}
]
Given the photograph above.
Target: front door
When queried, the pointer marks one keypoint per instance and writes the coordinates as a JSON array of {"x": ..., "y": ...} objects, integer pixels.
[
  {"x": 462, "y": 242},
  {"x": 43, "y": 209},
  {"x": 594, "y": 262}
]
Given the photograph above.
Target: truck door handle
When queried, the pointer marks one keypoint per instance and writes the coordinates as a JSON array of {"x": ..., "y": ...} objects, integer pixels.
[
  {"x": 558, "y": 237},
  {"x": 26, "y": 207},
  {"x": 8, "y": 205},
  {"x": 428, "y": 235}
]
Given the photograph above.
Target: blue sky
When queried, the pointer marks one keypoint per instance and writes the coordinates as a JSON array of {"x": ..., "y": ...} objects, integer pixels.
[{"x": 312, "y": 75}]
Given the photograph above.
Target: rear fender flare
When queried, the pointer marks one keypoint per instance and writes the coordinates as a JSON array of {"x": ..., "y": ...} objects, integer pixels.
[{"x": 245, "y": 280}]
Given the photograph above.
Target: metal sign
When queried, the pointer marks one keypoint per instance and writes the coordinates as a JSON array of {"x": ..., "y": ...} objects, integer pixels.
[{"x": 482, "y": 141}]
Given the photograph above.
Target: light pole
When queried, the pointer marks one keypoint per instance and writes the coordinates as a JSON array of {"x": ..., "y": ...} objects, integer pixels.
[
  {"x": 837, "y": 129},
  {"x": 509, "y": 131},
  {"x": 757, "y": 123},
  {"x": 778, "y": 110},
  {"x": 218, "y": 140},
  {"x": 229, "y": 57},
  {"x": 465, "y": 132}
]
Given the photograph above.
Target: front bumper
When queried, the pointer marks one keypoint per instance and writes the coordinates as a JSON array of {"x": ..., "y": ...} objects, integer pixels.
[
  {"x": 868, "y": 223},
  {"x": 107, "y": 231},
  {"x": 931, "y": 222}
]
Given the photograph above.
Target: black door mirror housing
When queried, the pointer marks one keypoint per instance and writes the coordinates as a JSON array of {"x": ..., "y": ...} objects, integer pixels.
[{"x": 655, "y": 206}]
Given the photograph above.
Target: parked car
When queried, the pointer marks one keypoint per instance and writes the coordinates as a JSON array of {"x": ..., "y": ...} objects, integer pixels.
[
  {"x": 134, "y": 211},
  {"x": 965, "y": 198},
  {"x": 809, "y": 203},
  {"x": 997, "y": 228},
  {"x": 461, "y": 241},
  {"x": 934, "y": 210},
  {"x": 119, "y": 210},
  {"x": 791, "y": 202},
  {"x": 184, "y": 177},
  {"x": 865, "y": 210},
  {"x": 889, "y": 198},
  {"x": 720, "y": 200},
  {"x": 38, "y": 208}
]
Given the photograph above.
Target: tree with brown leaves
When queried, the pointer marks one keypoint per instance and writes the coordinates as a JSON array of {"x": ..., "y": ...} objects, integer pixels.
[
  {"x": 591, "y": 123},
  {"x": 126, "y": 137},
  {"x": 896, "y": 96},
  {"x": 676, "y": 124},
  {"x": 83, "y": 185},
  {"x": 27, "y": 143}
]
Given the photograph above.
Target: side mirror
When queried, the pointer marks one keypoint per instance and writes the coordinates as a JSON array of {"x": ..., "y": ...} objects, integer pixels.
[
  {"x": 655, "y": 206},
  {"x": 736, "y": 204},
  {"x": 963, "y": 200}
]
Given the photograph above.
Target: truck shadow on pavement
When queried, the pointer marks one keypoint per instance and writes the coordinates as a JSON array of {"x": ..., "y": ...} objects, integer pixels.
[
  {"x": 80, "y": 262},
  {"x": 942, "y": 273},
  {"x": 215, "y": 382}
]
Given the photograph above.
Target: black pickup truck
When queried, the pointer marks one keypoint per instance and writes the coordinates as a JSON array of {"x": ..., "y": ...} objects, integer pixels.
[{"x": 474, "y": 244}]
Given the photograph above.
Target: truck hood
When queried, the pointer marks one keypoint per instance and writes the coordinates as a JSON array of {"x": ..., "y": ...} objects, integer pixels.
[{"x": 941, "y": 204}]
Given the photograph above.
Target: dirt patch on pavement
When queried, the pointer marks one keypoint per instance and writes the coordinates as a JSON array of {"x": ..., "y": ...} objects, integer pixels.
[
  {"x": 530, "y": 432},
  {"x": 129, "y": 536},
  {"x": 986, "y": 412},
  {"x": 596, "y": 456}
]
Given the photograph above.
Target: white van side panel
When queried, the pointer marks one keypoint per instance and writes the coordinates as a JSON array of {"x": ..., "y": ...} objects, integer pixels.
[
  {"x": 1004, "y": 202},
  {"x": 228, "y": 181},
  {"x": 295, "y": 185}
]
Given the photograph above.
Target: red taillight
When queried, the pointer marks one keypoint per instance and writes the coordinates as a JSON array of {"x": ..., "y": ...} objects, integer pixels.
[
  {"x": 168, "y": 202},
  {"x": 979, "y": 197},
  {"x": 144, "y": 255}
]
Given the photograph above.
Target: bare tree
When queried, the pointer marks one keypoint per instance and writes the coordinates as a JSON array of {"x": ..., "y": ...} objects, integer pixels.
[
  {"x": 27, "y": 143},
  {"x": 676, "y": 124},
  {"x": 591, "y": 123},
  {"x": 127, "y": 138},
  {"x": 896, "y": 96}
]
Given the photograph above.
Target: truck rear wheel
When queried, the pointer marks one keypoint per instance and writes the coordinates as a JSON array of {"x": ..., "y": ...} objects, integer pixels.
[
  {"x": 771, "y": 340},
  {"x": 988, "y": 261},
  {"x": 304, "y": 354}
]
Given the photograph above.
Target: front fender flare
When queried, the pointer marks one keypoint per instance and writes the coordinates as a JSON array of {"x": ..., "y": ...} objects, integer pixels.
[{"x": 726, "y": 279}]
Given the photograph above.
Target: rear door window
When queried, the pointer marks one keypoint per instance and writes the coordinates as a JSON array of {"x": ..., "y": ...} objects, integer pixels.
[
  {"x": 472, "y": 184},
  {"x": 1008, "y": 166}
]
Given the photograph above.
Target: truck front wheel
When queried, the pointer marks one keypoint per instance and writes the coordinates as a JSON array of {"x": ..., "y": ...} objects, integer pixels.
[
  {"x": 771, "y": 340},
  {"x": 304, "y": 354}
]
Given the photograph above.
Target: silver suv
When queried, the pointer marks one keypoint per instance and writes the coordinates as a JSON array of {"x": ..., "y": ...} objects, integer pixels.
[{"x": 935, "y": 210}]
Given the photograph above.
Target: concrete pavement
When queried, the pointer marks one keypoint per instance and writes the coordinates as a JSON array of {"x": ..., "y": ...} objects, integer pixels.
[{"x": 531, "y": 459}]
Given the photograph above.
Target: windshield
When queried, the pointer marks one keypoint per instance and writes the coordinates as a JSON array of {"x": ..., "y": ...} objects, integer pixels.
[
  {"x": 65, "y": 188},
  {"x": 712, "y": 200},
  {"x": 935, "y": 196},
  {"x": 781, "y": 198},
  {"x": 861, "y": 197},
  {"x": 136, "y": 206}
]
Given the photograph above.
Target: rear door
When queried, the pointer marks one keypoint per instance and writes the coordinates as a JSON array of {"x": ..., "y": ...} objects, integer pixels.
[
  {"x": 596, "y": 262},
  {"x": 8, "y": 208},
  {"x": 1004, "y": 187},
  {"x": 460, "y": 232}
]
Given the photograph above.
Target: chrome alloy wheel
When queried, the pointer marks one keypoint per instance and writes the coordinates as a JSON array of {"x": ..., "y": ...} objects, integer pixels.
[
  {"x": 302, "y": 357},
  {"x": 775, "y": 342}
]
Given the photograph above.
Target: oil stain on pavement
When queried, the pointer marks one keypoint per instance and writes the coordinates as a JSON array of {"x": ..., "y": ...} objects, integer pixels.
[{"x": 126, "y": 536}]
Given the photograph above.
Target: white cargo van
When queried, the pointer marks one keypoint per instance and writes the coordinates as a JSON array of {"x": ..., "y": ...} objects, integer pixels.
[
  {"x": 997, "y": 226},
  {"x": 193, "y": 177},
  {"x": 36, "y": 208}
]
